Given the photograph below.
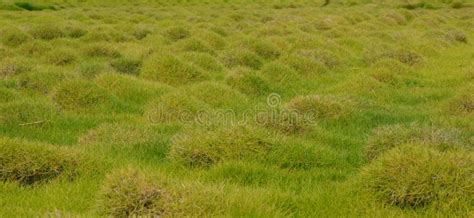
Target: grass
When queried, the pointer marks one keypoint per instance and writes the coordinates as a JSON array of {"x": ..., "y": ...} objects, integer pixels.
[{"x": 238, "y": 108}]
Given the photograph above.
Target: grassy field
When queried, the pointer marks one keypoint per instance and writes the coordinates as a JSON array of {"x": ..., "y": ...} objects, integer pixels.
[{"x": 237, "y": 108}]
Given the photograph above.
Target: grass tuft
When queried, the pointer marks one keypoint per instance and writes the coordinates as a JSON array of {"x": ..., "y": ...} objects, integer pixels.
[
  {"x": 128, "y": 192},
  {"x": 417, "y": 177},
  {"x": 171, "y": 70},
  {"x": 28, "y": 163},
  {"x": 387, "y": 137}
]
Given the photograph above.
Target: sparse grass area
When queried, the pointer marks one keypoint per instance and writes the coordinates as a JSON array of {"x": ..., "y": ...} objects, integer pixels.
[{"x": 238, "y": 108}]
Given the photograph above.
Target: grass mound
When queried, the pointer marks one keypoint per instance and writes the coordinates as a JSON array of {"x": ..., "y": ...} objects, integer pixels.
[
  {"x": 200, "y": 148},
  {"x": 248, "y": 82},
  {"x": 22, "y": 112},
  {"x": 218, "y": 95},
  {"x": 456, "y": 36},
  {"x": 89, "y": 69},
  {"x": 42, "y": 80},
  {"x": 129, "y": 88},
  {"x": 83, "y": 96},
  {"x": 126, "y": 139},
  {"x": 176, "y": 33},
  {"x": 177, "y": 106},
  {"x": 61, "y": 57},
  {"x": 386, "y": 137},
  {"x": 31, "y": 164},
  {"x": 263, "y": 49},
  {"x": 8, "y": 95},
  {"x": 319, "y": 106},
  {"x": 304, "y": 65},
  {"x": 194, "y": 45},
  {"x": 127, "y": 65},
  {"x": 205, "y": 61},
  {"x": 11, "y": 67},
  {"x": 101, "y": 50},
  {"x": 463, "y": 103},
  {"x": 285, "y": 121},
  {"x": 14, "y": 37},
  {"x": 417, "y": 177},
  {"x": 171, "y": 70},
  {"x": 241, "y": 58},
  {"x": 390, "y": 71},
  {"x": 128, "y": 193},
  {"x": 279, "y": 73},
  {"x": 48, "y": 31}
]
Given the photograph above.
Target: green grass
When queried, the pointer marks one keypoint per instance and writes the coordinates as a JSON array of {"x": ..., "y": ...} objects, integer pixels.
[{"x": 231, "y": 108}]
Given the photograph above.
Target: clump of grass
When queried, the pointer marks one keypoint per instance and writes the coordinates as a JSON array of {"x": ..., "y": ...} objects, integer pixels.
[
  {"x": 241, "y": 58},
  {"x": 48, "y": 31},
  {"x": 387, "y": 137},
  {"x": 35, "y": 48},
  {"x": 101, "y": 50},
  {"x": 199, "y": 148},
  {"x": 463, "y": 103},
  {"x": 418, "y": 177},
  {"x": 304, "y": 65},
  {"x": 14, "y": 37},
  {"x": 24, "y": 111},
  {"x": 389, "y": 71},
  {"x": 83, "y": 96},
  {"x": 329, "y": 59},
  {"x": 91, "y": 68},
  {"x": 456, "y": 36},
  {"x": 177, "y": 106},
  {"x": 127, "y": 65},
  {"x": 176, "y": 33},
  {"x": 205, "y": 61},
  {"x": 194, "y": 45},
  {"x": 128, "y": 192},
  {"x": 285, "y": 121},
  {"x": 29, "y": 163},
  {"x": 279, "y": 74},
  {"x": 8, "y": 95},
  {"x": 61, "y": 57},
  {"x": 264, "y": 49},
  {"x": 248, "y": 82},
  {"x": 42, "y": 80},
  {"x": 171, "y": 70},
  {"x": 11, "y": 67},
  {"x": 75, "y": 31},
  {"x": 126, "y": 139},
  {"x": 212, "y": 39},
  {"x": 218, "y": 95},
  {"x": 408, "y": 57},
  {"x": 316, "y": 107},
  {"x": 130, "y": 89}
]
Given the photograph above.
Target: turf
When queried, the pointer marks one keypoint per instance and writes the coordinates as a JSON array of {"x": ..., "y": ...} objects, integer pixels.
[{"x": 255, "y": 108}]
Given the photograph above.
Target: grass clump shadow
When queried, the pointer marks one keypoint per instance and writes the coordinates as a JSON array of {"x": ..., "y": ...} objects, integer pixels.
[
  {"x": 28, "y": 163},
  {"x": 29, "y": 6}
]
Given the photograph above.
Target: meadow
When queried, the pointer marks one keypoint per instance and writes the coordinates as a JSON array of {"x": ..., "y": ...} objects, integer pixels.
[{"x": 245, "y": 108}]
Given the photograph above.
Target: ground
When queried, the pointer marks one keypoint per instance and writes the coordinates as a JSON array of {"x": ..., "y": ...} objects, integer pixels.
[{"x": 237, "y": 108}]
